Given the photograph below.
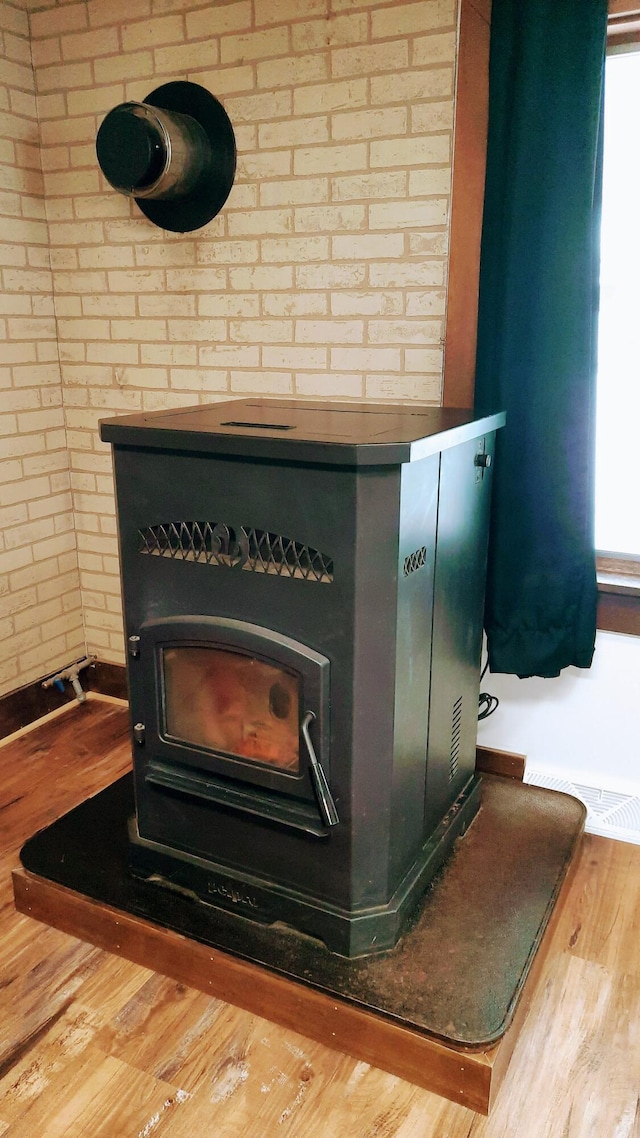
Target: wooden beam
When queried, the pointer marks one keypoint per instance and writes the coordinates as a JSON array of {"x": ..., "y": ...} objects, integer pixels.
[
  {"x": 619, "y": 613},
  {"x": 624, "y": 8},
  {"x": 464, "y": 1077},
  {"x": 469, "y": 164},
  {"x": 490, "y": 760}
]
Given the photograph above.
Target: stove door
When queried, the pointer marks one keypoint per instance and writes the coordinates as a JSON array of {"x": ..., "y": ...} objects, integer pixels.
[{"x": 233, "y": 712}]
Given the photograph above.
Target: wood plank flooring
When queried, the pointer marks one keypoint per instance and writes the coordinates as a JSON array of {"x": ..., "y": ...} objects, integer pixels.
[{"x": 93, "y": 1045}]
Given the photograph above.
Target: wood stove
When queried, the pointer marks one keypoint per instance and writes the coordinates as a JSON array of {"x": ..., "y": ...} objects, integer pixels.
[{"x": 303, "y": 590}]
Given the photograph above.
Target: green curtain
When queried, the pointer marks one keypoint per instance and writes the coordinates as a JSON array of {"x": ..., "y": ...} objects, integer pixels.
[{"x": 537, "y": 328}]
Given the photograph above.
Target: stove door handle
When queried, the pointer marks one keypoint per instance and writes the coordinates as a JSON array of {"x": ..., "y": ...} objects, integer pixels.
[{"x": 318, "y": 777}]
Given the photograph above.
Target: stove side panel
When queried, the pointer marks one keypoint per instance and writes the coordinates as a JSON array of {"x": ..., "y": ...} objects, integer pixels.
[{"x": 460, "y": 575}]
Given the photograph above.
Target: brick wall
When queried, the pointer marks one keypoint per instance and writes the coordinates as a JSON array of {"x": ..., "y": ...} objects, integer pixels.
[
  {"x": 325, "y": 273},
  {"x": 40, "y": 611}
]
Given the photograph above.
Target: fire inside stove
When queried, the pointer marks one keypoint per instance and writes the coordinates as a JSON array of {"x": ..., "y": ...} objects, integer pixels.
[
  {"x": 303, "y": 591},
  {"x": 236, "y": 704}
]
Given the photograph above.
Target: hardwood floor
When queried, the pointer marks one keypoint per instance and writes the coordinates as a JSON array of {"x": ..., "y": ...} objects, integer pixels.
[{"x": 93, "y": 1045}]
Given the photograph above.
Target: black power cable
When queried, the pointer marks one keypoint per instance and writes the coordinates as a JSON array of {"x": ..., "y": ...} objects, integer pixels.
[{"x": 487, "y": 703}]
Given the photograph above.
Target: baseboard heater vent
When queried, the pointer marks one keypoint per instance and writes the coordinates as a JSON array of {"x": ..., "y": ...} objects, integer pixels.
[{"x": 609, "y": 813}]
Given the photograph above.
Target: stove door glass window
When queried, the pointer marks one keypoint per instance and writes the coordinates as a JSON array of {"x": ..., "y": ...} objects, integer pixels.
[{"x": 234, "y": 703}]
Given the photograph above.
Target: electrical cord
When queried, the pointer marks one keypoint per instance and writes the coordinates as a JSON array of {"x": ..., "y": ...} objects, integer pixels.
[{"x": 487, "y": 703}]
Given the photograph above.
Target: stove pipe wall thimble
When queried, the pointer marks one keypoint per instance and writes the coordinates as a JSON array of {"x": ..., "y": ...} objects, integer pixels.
[{"x": 174, "y": 153}]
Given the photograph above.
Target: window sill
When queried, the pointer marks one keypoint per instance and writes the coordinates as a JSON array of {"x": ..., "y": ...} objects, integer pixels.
[
  {"x": 620, "y": 584},
  {"x": 619, "y": 603}
]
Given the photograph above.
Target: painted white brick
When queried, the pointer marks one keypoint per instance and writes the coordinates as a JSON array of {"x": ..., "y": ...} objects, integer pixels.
[
  {"x": 231, "y": 304},
  {"x": 198, "y": 379},
  {"x": 260, "y": 222},
  {"x": 296, "y": 132},
  {"x": 330, "y": 159},
  {"x": 294, "y": 304},
  {"x": 229, "y": 253},
  {"x": 322, "y": 276},
  {"x": 193, "y": 331},
  {"x": 368, "y": 246},
  {"x": 405, "y": 331},
  {"x": 405, "y": 274},
  {"x": 300, "y": 190},
  {"x": 329, "y": 331},
  {"x": 328, "y": 219},
  {"x": 333, "y": 385},
  {"x": 261, "y": 331},
  {"x": 408, "y": 86},
  {"x": 367, "y": 303},
  {"x": 272, "y": 382},
  {"x": 169, "y": 353},
  {"x": 329, "y": 276},
  {"x": 425, "y": 389},
  {"x": 261, "y": 277},
  {"x": 390, "y": 184},
  {"x": 230, "y": 355},
  {"x": 433, "y": 211},
  {"x": 415, "y": 151},
  {"x": 424, "y": 360},
  {"x": 292, "y": 71},
  {"x": 294, "y": 358},
  {"x": 408, "y": 19}
]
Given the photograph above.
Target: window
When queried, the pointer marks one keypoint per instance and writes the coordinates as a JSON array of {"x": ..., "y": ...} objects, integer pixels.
[{"x": 618, "y": 414}]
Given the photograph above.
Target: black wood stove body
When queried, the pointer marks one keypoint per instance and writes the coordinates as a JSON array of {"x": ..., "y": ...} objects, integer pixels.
[{"x": 303, "y": 590}]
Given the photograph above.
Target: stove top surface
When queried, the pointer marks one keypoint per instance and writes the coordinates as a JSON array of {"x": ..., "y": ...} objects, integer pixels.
[{"x": 351, "y": 433}]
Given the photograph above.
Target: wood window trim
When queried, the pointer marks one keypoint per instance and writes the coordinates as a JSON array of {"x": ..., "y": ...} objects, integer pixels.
[
  {"x": 467, "y": 202},
  {"x": 619, "y": 594},
  {"x": 619, "y": 576},
  {"x": 618, "y": 608},
  {"x": 624, "y": 20}
]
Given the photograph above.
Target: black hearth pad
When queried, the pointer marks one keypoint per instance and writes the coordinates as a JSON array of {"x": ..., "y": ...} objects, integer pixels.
[{"x": 458, "y": 971}]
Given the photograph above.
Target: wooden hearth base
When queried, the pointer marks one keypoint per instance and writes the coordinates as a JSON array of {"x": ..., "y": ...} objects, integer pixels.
[{"x": 329, "y": 1006}]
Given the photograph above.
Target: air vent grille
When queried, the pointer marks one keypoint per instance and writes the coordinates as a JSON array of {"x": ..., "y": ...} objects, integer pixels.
[
  {"x": 415, "y": 561},
  {"x": 456, "y": 728},
  {"x": 236, "y": 547}
]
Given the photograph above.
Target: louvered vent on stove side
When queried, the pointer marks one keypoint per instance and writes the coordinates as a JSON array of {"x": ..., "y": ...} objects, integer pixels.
[
  {"x": 456, "y": 727},
  {"x": 414, "y": 561}
]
